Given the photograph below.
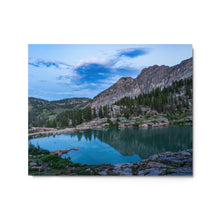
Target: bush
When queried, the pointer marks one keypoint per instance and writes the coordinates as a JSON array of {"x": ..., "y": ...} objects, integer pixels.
[
  {"x": 50, "y": 158},
  {"x": 57, "y": 162},
  {"x": 32, "y": 150},
  {"x": 112, "y": 125},
  {"x": 136, "y": 125},
  {"x": 58, "y": 165}
]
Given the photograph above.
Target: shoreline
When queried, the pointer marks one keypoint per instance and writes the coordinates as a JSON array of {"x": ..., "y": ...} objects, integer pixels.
[
  {"x": 72, "y": 130},
  {"x": 162, "y": 164}
]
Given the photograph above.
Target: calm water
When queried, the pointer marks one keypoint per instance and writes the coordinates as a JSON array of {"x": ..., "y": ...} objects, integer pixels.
[{"x": 114, "y": 146}]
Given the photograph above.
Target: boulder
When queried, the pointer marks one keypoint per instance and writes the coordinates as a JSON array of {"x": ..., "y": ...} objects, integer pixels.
[
  {"x": 39, "y": 168},
  {"x": 143, "y": 126},
  {"x": 156, "y": 165}
]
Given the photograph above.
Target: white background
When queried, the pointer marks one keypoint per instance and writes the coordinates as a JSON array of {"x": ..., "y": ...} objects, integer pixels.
[{"x": 158, "y": 21}]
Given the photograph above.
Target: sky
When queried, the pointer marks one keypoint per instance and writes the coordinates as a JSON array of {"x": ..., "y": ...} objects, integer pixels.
[{"x": 59, "y": 71}]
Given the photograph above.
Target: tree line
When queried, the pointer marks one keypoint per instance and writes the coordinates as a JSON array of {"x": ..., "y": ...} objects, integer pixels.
[{"x": 170, "y": 99}]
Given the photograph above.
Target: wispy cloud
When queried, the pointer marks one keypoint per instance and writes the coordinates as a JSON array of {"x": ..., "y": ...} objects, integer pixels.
[
  {"x": 134, "y": 52},
  {"x": 48, "y": 63},
  {"x": 91, "y": 76}
]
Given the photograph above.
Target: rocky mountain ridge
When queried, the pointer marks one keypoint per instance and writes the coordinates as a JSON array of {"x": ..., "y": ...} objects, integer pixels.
[{"x": 150, "y": 78}]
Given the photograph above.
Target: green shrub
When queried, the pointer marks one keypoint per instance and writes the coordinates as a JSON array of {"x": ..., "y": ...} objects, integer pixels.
[
  {"x": 60, "y": 164},
  {"x": 136, "y": 124},
  {"x": 50, "y": 158},
  {"x": 32, "y": 150}
]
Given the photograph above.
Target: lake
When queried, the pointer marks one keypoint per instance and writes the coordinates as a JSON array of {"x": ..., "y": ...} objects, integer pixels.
[{"x": 113, "y": 146}]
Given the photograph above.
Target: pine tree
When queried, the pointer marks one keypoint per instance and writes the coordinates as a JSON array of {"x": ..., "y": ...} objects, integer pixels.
[
  {"x": 100, "y": 112},
  {"x": 94, "y": 113},
  {"x": 87, "y": 113},
  {"x": 126, "y": 113},
  {"x": 105, "y": 110},
  {"x": 64, "y": 121}
]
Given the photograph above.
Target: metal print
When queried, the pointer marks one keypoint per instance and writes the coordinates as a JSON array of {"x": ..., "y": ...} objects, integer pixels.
[{"x": 110, "y": 110}]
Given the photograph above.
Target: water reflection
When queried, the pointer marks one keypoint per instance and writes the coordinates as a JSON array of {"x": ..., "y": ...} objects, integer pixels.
[
  {"x": 143, "y": 142},
  {"x": 118, "y": 145}
]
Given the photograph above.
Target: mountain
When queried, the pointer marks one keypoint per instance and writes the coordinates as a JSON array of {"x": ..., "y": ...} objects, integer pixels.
[
  {"x": 150, "y": 78},
  {"x": 70, "y": 103},
  {"x": 42, "y": 110}
]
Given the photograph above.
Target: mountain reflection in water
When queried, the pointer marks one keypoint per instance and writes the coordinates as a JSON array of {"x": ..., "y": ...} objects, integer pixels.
[
  {"x": 143, "y": 142},
  {"x": 114, "y": 146}
]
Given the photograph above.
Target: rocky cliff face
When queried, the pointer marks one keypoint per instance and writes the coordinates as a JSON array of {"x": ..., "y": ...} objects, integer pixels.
[
  {"x": 149, "y": 79},
  {"x": 125, "y": 86}
]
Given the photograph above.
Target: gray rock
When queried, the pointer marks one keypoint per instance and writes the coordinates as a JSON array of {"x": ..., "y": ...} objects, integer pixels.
[
  {"x": 183, "y": 171},
  {"x": 154, "y": 157},
  {"x": 103, "y": 173},
  {"x": 156, "y": 165},
  {"x": 155, "y": 172},
  {"x": 128, "y": 170},
  {"x": 185, "y": 153},
  {"x": 143, "y": 172},
  {"x": 172, "y": 161}
]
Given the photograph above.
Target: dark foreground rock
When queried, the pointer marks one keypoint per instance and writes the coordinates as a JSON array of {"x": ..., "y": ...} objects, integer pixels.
[
  {"x": 163, "y": 164},
  {"x": 172, "y": 164}
]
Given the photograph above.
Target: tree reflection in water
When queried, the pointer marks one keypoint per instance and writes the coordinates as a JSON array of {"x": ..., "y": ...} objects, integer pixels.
[{"x": 143, "y": 141}]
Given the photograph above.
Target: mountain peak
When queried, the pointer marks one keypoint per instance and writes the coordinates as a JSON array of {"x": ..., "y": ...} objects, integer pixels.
[
  {"x": 125, "y": 79},
  {"x": 149, "y": 79}
]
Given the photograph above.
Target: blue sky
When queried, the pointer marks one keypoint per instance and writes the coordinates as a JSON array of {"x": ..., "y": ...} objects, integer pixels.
[{"x": 58, "y": 71}]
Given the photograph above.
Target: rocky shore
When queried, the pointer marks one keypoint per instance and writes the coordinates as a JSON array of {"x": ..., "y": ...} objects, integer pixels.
[
  {"x": 172, "y": 164},
  {"x": 163, "y": 164},
  {"x": 97, "y": 124}
]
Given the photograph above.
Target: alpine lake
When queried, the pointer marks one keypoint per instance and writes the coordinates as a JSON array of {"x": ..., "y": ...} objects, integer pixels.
[{"x": 114, "y": 146}]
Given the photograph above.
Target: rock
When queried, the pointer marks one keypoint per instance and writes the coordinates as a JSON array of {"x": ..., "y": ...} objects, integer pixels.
[
  {"x": 184, "y": 153},
  {"x": 64, "y": 151},
  {"x": 103, "y": 173},
  {"x": 155, "y": 172},
  {"x": 134, "y": 167},
  {"x": 182, "y": 171},
  {"x": 167, "y": 163},
  {"x": 143, "y": 126},
  {"x": 127, "y": 170},
  {"x": 164, "y": 124},
  {"x": 121, "y": 126},
  {"x": 154, "y": 157},
  {"x": 172, "y": 161},
  {"x": 143, "y": 172},
  {"x": 39, "y": 168},
  {"x": 156, "y": 165},
  {"x": 168, "y": 154},
  {"x": 188, "y": 162}
]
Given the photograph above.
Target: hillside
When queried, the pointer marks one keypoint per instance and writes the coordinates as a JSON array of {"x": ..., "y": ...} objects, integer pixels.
[{"x": 39, "y": 110}]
